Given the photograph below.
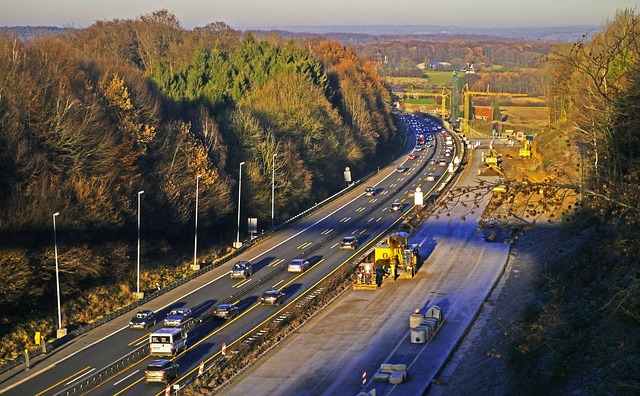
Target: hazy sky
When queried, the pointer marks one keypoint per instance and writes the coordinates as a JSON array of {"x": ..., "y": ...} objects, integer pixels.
[{"x": 268, "y": 13}]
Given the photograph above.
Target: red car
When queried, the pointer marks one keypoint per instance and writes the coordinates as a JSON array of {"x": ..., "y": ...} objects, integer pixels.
[{"x": 412, "y": 156}]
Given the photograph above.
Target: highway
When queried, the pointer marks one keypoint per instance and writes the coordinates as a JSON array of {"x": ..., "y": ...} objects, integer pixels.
[{"x": 315, "y": 238}]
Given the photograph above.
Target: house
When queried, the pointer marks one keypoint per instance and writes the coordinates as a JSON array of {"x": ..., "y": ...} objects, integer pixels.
[{"x": 483, "y": 113}]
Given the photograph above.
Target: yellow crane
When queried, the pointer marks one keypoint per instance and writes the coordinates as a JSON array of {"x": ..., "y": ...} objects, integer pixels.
[{"x": 445, "y": 95}]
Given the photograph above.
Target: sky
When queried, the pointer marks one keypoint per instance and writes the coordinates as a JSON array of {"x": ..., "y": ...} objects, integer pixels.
[{"x": 242, "y": 14}]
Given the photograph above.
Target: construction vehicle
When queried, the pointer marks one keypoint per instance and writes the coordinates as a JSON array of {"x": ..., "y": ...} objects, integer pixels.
[
  {"x": 492, "y": 161},
  {"x": 393, "y": 258},
  {"x": 491, "y": 157},
  {"x": 525, "y": 150},
  {"x": 500, "y": 187},
  {"x": 369, "y": 277},
  {"x": 396, "y": 255}
]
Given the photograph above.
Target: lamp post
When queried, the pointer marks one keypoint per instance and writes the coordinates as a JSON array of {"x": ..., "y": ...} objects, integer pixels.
[
  {"x": 273, "y": 188},
  {"x": 138, "y": 278},
  {"x": 195, "y": 241},
  {"x": 55, "y": 248},
  {"x": 237, "y": 244}
]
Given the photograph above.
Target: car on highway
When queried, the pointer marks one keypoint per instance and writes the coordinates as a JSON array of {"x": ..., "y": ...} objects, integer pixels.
[
  {"x": 143, "y": 320},
  {"x": 226, "y": 311},
  {"x": 349, "y": 242},
  {"x": 442, "y": 162},
  {"x": 431, "y": 177},
  {"x": 419, "y": 148},
  {"x": 241, "y": 269},
  {"x": 273, "y": 297},
  {"x": 369, "y": 191},
  {"x": 402, "y": 169},
  {"x": 298, "y": 265},
  {"x": 411, "y": 156},
  {"x": 161, "y": 371},
  {"x": 177, "y": 316},
  {"x": 396, "y": 207},
  {"x": 433, "y": 162}
]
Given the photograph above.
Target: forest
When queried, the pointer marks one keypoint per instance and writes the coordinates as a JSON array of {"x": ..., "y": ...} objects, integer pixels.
[{"x": 91, "y": 117}]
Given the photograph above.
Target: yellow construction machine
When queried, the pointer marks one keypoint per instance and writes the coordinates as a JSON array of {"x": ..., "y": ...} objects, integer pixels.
[
  {"x": 491, "y": 157},
  {"x": 525, "y": 150},
  {"x": 393, "y": 258},
  {"x": 397, "y": 256}
]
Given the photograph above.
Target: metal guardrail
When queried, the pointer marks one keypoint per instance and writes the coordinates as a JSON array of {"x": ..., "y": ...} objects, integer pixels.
[
  {"x": 50, "y": 346},
  {"x": 143, "y": 352},
  {"x": 102, "y": 374}
]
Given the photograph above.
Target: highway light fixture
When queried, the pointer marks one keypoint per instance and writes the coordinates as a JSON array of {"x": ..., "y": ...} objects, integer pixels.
[
  {"x": 237, "y": 244},
  {"x": 138, "y": 277},
  {"x": 195, "y": 241},
  {"x": 55, "y": 244}
]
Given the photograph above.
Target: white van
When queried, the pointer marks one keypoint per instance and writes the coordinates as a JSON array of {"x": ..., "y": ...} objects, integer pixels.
[{"x": 167, "y": 341}]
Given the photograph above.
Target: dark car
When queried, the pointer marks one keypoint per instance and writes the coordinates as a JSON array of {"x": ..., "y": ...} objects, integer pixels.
[
  {"x": 402, "y": 169},
  {"x": 161, "y": 371},
  {"x": 273, "y": 297},
  {"x": 349, "y": 242},
  {"x": 241, "y": 269},
  {"x": 369, "y": 191},
  {"x": 226, "y": 311},
  {"x": 433, "y": 162},
  {"x": 177, "y": 316},
  {"x": 442, "y": 162},
  {"x": 143, "y": 320},
  {"x": 396, "y": 207}
]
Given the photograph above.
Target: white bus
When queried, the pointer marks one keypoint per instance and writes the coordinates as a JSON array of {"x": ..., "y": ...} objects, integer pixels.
[{"x": 167, "y": 341}]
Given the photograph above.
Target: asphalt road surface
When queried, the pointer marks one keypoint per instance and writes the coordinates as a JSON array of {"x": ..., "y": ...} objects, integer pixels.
[
  {"x": 315, "y": 237},
  {"x": 364, "y": 329}
]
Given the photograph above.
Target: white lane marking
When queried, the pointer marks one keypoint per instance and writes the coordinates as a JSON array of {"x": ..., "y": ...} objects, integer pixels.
[
  {"x": 276, "y": 285},
  {"x": 195, "y": 290},
  {"x": 107, "y": 336},
  {"x": 80, "y": 376},
  {"x": 336, "y": 244},
  {"x": 127, "y": 377}
]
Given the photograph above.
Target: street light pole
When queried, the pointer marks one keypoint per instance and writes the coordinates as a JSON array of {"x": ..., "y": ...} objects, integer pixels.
[
  {"x": 273, "y": 188},
  {"x": 138, "y": 278},
  {"x": 55, "y": 244},
  {"x": 239, "y": 192},
  {"x": 195, "y": 242}
]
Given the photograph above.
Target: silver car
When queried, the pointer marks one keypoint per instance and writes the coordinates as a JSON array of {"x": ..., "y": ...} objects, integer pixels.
[{"x": 298, "y": 265}]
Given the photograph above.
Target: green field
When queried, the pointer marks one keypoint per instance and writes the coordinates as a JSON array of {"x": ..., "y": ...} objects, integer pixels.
[{"x": 440, "y": 78}]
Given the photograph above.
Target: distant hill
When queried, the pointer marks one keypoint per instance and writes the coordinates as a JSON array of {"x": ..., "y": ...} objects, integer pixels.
[
  {"x": 374, "y": 33},
  {"x": 366, "y": 34},
  {"x": 31, "y": 32}
]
